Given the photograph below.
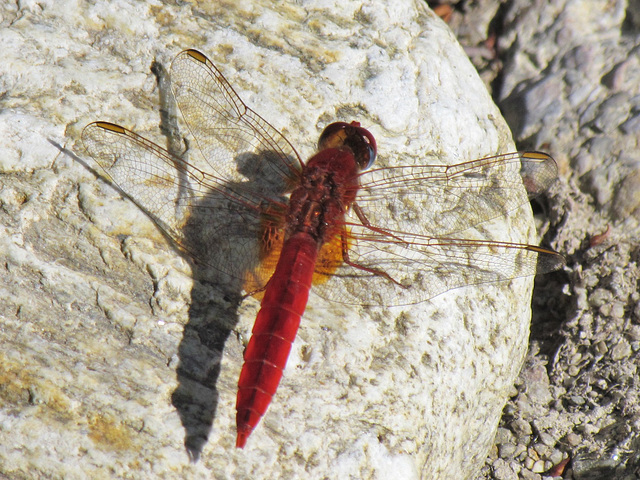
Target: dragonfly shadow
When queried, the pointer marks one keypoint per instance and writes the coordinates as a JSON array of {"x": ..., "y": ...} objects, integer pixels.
[
  {"x": 220, "y": 241},
  {"x": 211, "y": 211},
  {"x": 214, "y": 299},
  {"x": 211, "y": 321}
]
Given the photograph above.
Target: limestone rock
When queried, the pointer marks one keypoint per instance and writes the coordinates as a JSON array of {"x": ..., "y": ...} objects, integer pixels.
[{"x": 113, "y": 357}]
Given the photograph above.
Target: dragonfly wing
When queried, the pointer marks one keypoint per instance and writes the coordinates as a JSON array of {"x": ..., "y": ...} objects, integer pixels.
[
  {"x": 235, "y": 141},
  {"x": 143, "y": 171},
  {"x": 439, "y": 200},
  {"x": 411, "y": 235},
  {"x": 420, "y": 267},
  {"x": 192, "y": 207}
]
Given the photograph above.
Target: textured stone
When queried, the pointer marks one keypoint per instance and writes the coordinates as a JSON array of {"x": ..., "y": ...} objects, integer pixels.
[
  {"x": 112, "y": 355},
  {"x": 566, "y": 78}
]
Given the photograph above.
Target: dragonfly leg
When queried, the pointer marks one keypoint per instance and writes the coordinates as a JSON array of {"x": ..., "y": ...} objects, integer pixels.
[
  {"x": 254, "y": 292},
  {"x": 373, "y": 271},
  {"x": 365, "y": 221}
]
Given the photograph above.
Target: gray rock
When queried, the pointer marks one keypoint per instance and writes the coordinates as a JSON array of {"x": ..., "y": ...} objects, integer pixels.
[{"x": 569, "y": 85}]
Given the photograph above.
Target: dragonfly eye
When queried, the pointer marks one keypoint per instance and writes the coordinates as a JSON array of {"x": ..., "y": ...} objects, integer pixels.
[
  {"x": 351, "y": 135},
  {"x": 371, "y": 148}
]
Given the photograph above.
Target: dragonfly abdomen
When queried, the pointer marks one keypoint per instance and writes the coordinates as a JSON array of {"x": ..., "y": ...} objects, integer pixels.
[{"x": 274, "y": 331}]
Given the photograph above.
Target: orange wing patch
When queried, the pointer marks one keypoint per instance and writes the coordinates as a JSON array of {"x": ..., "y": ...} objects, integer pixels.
[
  {"x": 271, "y": 242},
  {"x": 330, "y": 257}
]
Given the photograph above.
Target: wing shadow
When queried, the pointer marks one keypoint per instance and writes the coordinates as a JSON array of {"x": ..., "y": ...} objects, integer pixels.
[
  {"x": 213, "y": 313},
  {"x": 217, "y": 237}
]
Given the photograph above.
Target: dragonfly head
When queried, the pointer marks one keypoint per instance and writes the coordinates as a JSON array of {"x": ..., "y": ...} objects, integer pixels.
[{"x": 358, "y": 139}]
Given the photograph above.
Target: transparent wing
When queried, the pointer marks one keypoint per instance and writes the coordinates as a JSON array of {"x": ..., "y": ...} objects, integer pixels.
[
  {"x": 438, "y": 200},
  {"x": 399, "y": 232},
  {"x": 235, "y": 142},
  {"x": 217, "y": 206},
  {"x": 399, "y": 268},
  {"x": 220, "y": 226}
]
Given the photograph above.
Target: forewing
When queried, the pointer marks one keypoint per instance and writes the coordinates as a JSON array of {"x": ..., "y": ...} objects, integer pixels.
[
  {"x": 235, "y": 141},
  {"x": 440, "y": 200}
]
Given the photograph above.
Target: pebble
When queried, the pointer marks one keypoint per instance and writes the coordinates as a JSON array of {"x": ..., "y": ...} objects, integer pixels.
[
  {"x": 547, "y": 439},
  {"x": 627, "y": 198},
  {"x": 556, "y": 456},
  {"x": 503, "y": 435},
  {"x": 612, "y": 112},
  {"x": 621, "y": 350},
  {"x": 507, "y": 450},
  {"x": 527, "y": 474},
  {"x": 573, "y": 439},
  {"x": 601, "y": 347},
  {"x": 538, "y": 467},
  {"x": 633, "y": 332},
  {"x": 541, "y": 449},
  {"x": 503, "y": 471},
  {"x": 529, "y": 463},
  {"x": 600, "y": 297},
  {"x": 577, "y": 400},
  {"x": 521, "y": 427}
]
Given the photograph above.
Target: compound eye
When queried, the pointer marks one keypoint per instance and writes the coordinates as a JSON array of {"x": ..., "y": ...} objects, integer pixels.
[
  {"x": 353, "y": 136},
  {"x": 333, "y": 136},
  {"x": 372, "y": 149}
]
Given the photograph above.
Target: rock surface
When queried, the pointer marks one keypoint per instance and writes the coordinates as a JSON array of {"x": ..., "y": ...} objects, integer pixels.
[
  {"x": 565, "y": 74},
  {"x": 113, "y": 358}
]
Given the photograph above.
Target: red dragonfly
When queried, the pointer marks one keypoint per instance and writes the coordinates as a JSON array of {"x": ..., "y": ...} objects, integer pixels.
[{"x": 333, "y": 222}]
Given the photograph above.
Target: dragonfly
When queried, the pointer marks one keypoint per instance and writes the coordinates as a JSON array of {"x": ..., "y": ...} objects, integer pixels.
[{"x": 276, "y": 227}]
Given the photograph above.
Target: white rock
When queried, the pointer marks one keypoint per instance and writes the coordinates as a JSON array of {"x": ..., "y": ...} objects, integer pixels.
[{"x": 95, "y": 301}]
